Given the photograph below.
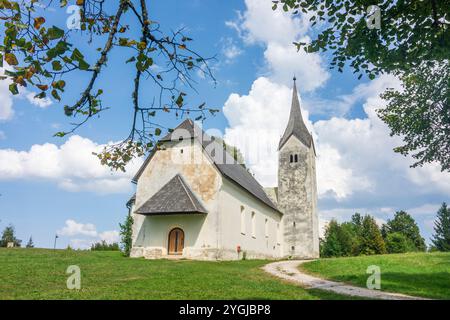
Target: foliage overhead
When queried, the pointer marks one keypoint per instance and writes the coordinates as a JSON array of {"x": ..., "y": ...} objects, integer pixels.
[
  {"x": 41, "y": 56},
  {"x": 422, "y": 122},
  {"x": 412, "y": 42},
  {"x": 411, "y": 31}
]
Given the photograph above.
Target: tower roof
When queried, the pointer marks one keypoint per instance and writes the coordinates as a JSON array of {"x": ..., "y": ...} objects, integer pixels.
[{"x": 296, "y": 126}]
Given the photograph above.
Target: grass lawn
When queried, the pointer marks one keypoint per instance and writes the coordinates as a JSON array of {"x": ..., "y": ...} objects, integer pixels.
[
  {"x": 419, "y": 274},
  {"x": 41, "y": 274}
]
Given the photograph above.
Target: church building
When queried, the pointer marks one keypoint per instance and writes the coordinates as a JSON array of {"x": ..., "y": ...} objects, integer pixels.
[{"x": 194, "y": 200}]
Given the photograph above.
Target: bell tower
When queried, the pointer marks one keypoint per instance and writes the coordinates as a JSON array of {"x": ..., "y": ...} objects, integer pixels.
[{"x": 297, "y": 187}]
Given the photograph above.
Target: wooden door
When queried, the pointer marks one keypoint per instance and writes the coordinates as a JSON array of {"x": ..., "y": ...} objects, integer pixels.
[{"x": 176, "y": 241}]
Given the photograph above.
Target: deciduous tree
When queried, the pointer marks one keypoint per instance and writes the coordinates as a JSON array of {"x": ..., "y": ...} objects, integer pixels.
[
  {"x": 41, "y": 55},
  {"x": 412, "y": 42}
]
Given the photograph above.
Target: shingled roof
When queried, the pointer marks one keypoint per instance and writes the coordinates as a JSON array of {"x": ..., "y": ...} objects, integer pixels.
[
  {"x": 296, "y": 127},
  {"x": 174, "y": 197},
  {"x": 224, "y": 162}
]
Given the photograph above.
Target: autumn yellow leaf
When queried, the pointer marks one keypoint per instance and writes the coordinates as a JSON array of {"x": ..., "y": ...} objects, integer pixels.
[
  {"x": 43, "y": 87},
  {"x": 38, "y": 22},
  {"x": 11, "y": 59}
]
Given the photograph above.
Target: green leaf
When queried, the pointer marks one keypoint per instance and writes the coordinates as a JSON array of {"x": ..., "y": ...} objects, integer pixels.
[
  {"x": 55, "y": 33},
  {"x": 77, "y": 55},
  {"x": 56, "y": 95},
  {"x": 133, "y": 58},
  {"x": 60, "y": 134},
  {"x": 157, "y": 131},
  {"x": 13, "y": 88},
  {"x": 83, "y": 65},
  {"x": 56, "y": 65}
]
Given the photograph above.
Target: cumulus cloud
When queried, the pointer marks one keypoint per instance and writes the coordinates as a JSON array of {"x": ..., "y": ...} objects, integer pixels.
[
  {"x": 73, "y": 228},
  {"x": 6, "y": 101},
  {"x": 41, "y": 103},
  {"x": 355, "y": 160},
  {"x": 82, "y": 235},
  {"x": 276, "y": 31},
  {"x": 230, "y": 50},
  {"x": 72, "y": 166}
]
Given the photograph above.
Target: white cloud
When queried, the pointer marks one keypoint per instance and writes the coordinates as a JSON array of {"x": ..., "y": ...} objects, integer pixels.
[
  {"x": 72, "y": 166},
  {"x": 355, "y": 160},
  {"x": 41, "y": 103},
  {"x": 109, "y": 236},
  {"x": 6, "y": 101},
  {"x": 73, "y": 228},
  {"x": 276, "y": 31},
  {"x": 82, "y": 244},
  {"x": 230, "y": 50},
  {"x": 86, "y": 234}
]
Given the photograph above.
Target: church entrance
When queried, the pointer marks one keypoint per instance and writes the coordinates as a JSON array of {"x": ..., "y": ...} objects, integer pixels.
[{"x": 176, "y": 241}]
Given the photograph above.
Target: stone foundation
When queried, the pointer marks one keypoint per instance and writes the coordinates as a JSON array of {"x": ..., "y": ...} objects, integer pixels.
[{"x": 207, "y": 254}]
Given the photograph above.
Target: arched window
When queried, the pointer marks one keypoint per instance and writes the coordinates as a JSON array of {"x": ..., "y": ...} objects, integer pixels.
[
  {"x": 266, "y": 228},
  {"x": 242, "y": 220},
  {"x": 278, "y": 234},
  {"x": 253, "y": 225},
  {"x": 296, "y": 158},
  {"x": 291, "y": 158}
]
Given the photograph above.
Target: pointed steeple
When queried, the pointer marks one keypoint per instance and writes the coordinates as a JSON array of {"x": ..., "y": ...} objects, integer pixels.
[{"x": 296, "y": 126}]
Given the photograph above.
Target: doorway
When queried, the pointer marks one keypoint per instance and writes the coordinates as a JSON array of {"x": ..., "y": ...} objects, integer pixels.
[{"x": 176, "y": 241}]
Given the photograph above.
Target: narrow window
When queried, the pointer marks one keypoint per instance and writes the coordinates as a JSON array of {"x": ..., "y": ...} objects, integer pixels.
[
  {"x": 181, "y": 150},
  {"x": 293, "y": 224},
  {"x": 242, "y": 220},
  {"x": 253, "y": 225},
  {"x": 278, "y": 234},
  {"x": 266, "y": 228},
  {"x": 296, "y": 158},
  {"x": 291, "y": 158}
]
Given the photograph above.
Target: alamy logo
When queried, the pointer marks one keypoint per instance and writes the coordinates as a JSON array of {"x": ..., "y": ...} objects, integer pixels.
[
  {"x": 374, "y": 280},
  {"x": 74, "y": 280},
  {"x": 73, "y": 21},
  {"x": 373, "y": 20}
]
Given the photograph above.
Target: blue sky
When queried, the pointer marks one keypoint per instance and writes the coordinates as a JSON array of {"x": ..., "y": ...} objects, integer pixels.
[{"x": 51, "y": 185}]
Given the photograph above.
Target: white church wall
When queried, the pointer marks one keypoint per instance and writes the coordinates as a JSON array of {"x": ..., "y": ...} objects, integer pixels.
[
  {"x": 187, "y": 159},
  {"x": 256, "y": 244}
]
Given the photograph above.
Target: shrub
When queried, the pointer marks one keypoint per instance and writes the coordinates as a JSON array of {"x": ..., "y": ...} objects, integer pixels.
[
  {"x": 397, "y": 242},
  {"x": 104, "y": 246}
]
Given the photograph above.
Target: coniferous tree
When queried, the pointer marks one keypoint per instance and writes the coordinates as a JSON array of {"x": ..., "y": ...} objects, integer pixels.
[
  {"x": 441, "y": 237},
  {"x": 371, "y": 241},
  {"x": 30, "y": 243}
]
